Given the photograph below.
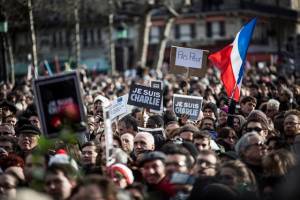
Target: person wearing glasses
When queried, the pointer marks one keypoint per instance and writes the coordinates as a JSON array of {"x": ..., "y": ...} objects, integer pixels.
[
  {"x": 206, "y": 164},
  {"x": 251, "y": 149},
  {"x": 257, "y": 121},
  {"x": 291, "y": 125}
]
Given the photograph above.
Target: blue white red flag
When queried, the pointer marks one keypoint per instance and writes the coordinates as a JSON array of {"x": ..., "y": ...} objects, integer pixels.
[{"x": 231, "y": 60}]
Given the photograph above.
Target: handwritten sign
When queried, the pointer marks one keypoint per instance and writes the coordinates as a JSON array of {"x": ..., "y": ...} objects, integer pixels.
[
  {"x": 118, "y": 106},
  {"x": 187, "y": 57},
  {"x": 146, "y": 97},
  {"x": 192, "y": 62},
  {"x": 187, "y": 105}
]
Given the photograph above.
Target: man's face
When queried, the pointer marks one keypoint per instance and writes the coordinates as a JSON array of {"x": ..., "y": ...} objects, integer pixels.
[
  {"x": 176, "y": 163},
  {"x": 34, "y": 167},
  {"x": 122, "y": 128},
  {"x": 207, "y": 112},
  {"x": 141, "y": 143},
  {"x": 127, "y": 142},
  {"x": 5, "y": 111},
  {"x": 7, "y": 186},
  {"x": 11, "y": 120},
  {"x": 202, "y": 143},
  {"x": 89, "y": 155},
  {"x": 27, "y": 141},
  {"x": 139, "y": 118},
  {"x": 205, "y": 165},
  {"x": 256, "y": 127},
  {"x": 6, "y": 130},
  {"x": 98, "y": 111},
  {"x": 7, "y": 146},
  {"x": 35, "y": 121},
  {"x": 247, "y": 107},
  {"x": 255, "y": 150},
  {"x": 291, "y": 127},
  {"x": 153, "y": 171},
  {"x": 207, "y": 124},
  {"x": 58, "y": 186}
]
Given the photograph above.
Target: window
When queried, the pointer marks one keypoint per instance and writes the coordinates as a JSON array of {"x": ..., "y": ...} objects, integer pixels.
[
  {"x": 215, "y": 29},
  {"x": 185, "y": 32},
  {"x": 155, "y": 34}
]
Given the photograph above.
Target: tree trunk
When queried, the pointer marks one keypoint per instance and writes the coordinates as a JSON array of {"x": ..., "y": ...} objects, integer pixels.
[
  {"x": 33, "y": 36},
  {"x": 111, "y": 39},
  {"x": 144, "y": 39},
  {"x": 11, "y": 59},
  {"x": 77, "y": 33},
  {"x": 163, "y": 43}
]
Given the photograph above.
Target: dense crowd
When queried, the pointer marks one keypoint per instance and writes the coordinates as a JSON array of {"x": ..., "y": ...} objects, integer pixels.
[{"x": 248, "y": 150}]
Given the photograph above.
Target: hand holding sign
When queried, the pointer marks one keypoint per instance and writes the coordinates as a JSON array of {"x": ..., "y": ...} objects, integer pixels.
[{"x": 187, "y": 105}]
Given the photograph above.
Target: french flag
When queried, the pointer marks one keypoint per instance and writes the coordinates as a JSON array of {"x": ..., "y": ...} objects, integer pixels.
[{"x": 231, "y": 60}]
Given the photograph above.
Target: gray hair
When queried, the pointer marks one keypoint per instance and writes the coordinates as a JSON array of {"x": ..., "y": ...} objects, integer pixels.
[
  {"x": 244, "y": 142},
  {"x": 120, "y": 156},
  {"x": 273, "y": 103}
]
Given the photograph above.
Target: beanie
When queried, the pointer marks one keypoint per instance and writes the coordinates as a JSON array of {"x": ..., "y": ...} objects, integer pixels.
[
  {"x": 259, "y": 116},
  {"x": 124, "y": 170},
  {"x": 61, "y": 157}
]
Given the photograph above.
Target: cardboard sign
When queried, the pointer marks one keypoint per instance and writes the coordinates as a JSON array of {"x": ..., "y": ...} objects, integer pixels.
[
  {"x": 146, "y": 97},
  {"x": 118, "y": 106},
  {"x": 159, "y": 85},
  {"x": 189, "y": 105},
  {"x": 192, "y": 62},
  {"x": 58, "y": 101},
  {"x": 108, "y": 137}
]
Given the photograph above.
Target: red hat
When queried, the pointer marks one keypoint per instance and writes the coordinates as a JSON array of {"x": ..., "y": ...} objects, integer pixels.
[{"x": 124, "y": 170}]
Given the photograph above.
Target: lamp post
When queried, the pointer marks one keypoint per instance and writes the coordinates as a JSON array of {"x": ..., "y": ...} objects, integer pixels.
[
  {"x": 121, "y": 36},
  {"x": 3, "y": 31}
]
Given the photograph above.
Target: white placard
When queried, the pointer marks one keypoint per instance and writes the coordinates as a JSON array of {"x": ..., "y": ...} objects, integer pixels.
[
  {"x": 118, "y": 106},
  {"x": 187, "y": 57}
]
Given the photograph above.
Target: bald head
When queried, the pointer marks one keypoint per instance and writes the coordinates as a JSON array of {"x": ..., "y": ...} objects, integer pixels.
[{"x": 143, "y": 141}]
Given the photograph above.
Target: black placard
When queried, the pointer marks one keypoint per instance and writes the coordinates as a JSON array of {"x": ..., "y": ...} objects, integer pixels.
[
  {"x": 59, "y": 103},
  {"x": 189, "y": 105},
  {"x": 146, "y": 97}
]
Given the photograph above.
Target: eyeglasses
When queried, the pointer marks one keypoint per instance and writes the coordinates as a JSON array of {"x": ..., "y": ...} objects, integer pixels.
[
  {"x": 258, "y": 144},
  {"x": 291, "y": 123},
  {"x": 176, "y": 164},
  {"x": 256, "y": 129}
]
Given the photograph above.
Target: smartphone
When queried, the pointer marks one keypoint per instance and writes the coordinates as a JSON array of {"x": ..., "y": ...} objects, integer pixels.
[{"x": 182, "y": 179}]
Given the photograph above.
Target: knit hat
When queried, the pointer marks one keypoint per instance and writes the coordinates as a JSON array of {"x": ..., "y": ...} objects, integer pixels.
[
  {"x": 257, "y": 115},
  {"x": 124, "y": 170},
  {"x": 61, "y": 157},
  {"x": 105, "y": 102},
  {"x": 29, "y": 129}
]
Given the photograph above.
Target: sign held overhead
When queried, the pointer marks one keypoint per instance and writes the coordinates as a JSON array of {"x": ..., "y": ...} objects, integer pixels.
[
  {"x": 187, "y": 105},
  {"x": 146, "y": 97},
  {"x": 192, "y": 62}
]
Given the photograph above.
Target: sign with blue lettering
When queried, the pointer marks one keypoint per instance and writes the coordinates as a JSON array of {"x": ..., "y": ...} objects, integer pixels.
[
  {"x": 192, "y": 62},
  {"x": 187, "y": 105},
  {"x": 145, "y": 97},
  {"x": 187, "y": 57},
  {"x": 118, "y": 107}
]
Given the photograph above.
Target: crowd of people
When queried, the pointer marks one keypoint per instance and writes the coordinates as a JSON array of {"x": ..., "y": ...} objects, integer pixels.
[{"x": 246, "y": 151}]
